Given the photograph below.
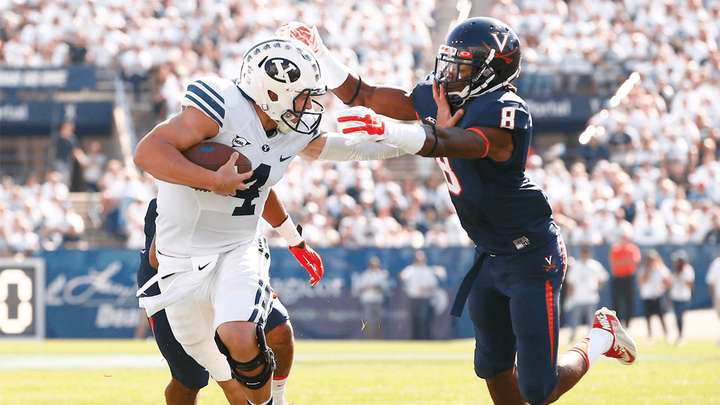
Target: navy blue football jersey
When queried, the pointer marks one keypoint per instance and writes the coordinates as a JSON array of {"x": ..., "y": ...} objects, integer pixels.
[{"x": 500, "y": 208}]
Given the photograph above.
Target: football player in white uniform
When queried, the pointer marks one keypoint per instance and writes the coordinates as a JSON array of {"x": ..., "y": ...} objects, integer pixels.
[{"x": 211, "y": 289}]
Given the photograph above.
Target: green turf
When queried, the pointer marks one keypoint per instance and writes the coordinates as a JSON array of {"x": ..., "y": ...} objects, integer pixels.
[{"x": 346, "y": 372}]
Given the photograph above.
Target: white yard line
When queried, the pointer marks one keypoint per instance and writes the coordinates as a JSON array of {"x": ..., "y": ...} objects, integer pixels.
[
  {"x": 99, "y": 362},
  {"x": 150, "y": 361}
]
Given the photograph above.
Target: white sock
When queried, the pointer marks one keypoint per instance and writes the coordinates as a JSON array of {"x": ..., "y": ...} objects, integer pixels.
[
  {"x": 278, "y": 390},
  {"x": 600, "y": 342}
]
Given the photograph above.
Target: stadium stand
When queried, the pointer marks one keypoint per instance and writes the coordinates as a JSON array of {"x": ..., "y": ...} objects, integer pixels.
[{"x": 650, "y": 167}]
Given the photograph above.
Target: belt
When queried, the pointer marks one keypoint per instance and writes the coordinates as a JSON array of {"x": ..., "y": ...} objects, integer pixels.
[{"x": 465, "y": 287}]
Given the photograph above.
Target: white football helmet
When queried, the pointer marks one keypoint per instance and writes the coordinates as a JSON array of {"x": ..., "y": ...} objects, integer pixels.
[{"x": 281, "y": 75}]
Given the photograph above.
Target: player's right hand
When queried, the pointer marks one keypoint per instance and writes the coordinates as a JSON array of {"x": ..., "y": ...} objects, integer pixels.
[
  {"x": 310, "y": 260},
  {"x": 444, "y": 117},
  {"x": 228, "y": 180},
  {"x": 303, "y": 33}
]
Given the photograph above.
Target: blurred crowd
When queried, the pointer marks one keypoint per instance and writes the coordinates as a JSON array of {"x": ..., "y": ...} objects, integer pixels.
[
  {"x": 650, "y": 171},
  {"x": 651, "y": 168},
  {"x": 170, "y": 42},
  {"x": 41, "y": 215}
]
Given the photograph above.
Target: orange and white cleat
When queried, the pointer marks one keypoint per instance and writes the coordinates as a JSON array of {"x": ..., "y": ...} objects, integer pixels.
[{"x": 623, "y": 347}]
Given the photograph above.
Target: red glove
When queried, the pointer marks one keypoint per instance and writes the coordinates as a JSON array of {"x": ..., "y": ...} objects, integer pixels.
[
  {"x": 303, "y": 33},
  {"x": 310, "y": 260}
]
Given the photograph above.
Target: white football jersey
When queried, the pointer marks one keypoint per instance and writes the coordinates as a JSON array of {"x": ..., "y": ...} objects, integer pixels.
[{"x": 196, "y": 223}]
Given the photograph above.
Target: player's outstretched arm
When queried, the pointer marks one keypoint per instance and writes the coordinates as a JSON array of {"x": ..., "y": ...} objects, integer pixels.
[
  {"x": 349, "y": 87},
  {"x": 444, "y": 139},
  {"x": 389, "y": 101},
  {"x": 336, "y": 147},
  {"x": 159, "y": 153},
  {"x": 275, "y": 214}
]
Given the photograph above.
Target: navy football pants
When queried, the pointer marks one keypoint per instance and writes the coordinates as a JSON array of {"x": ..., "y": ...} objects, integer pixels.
[{"x": 514, "y": 304}]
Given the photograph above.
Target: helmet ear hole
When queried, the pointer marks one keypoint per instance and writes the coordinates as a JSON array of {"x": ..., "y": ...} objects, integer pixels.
[{"x": 274, "y": 97}]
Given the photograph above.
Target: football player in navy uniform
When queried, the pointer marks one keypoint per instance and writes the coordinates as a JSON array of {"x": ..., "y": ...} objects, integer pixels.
[
  {"x": 188, "y": 377},
  {"x": 479, "y": 131}
]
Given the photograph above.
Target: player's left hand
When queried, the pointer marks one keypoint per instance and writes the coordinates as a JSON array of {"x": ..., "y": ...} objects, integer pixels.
[
  {"x": 363, "y": 123},
  {"x": 303, "y": 33},
  {"x": 444, "y": 118},
  {"x": 310, "y": 260}
]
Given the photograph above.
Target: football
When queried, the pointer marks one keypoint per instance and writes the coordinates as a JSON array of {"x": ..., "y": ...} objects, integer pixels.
[{"x": 212, "y": 155}]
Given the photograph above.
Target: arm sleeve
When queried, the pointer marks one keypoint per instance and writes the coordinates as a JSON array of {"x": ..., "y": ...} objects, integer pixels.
[
  {"x": 205, "y": 95},
  {"x": 337, "y": 149}
]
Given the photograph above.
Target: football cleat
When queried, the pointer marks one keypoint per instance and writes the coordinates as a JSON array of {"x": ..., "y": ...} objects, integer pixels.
[{"x": 623, "y": 347}]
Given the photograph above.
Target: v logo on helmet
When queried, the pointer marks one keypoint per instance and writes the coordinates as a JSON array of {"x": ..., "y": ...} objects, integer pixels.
[
  {"x": 500, "y": 44},
  {"x": 282, "y": 70}
]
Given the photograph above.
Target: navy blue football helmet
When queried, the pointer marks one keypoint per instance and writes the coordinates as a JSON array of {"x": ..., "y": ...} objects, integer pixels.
[{"x": 480, "y": 55}]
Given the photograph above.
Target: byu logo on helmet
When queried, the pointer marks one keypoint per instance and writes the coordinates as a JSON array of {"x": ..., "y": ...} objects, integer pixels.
[{"x": 282, "y": 70}]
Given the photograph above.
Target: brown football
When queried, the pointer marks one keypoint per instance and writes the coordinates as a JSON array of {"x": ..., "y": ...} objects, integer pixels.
[{"x": 212, "y": 155}]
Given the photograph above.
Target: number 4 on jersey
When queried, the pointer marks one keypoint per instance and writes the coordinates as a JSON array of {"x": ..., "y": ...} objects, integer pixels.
[{"x": 258, "y": 179}]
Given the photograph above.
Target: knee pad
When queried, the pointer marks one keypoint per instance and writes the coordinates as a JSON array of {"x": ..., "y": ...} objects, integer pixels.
[{"x": 264, "y": 359}]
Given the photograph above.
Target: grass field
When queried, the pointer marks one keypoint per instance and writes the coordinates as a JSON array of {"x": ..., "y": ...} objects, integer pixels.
[{"x": 347, "y": 372}]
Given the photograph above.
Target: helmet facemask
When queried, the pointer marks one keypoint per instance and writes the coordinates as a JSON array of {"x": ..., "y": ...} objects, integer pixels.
[
  {"x": 306, "y": 113},
  {"x": 462, "y": 73}
]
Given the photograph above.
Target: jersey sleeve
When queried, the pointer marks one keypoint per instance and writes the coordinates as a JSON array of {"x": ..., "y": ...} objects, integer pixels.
[
  {"x": 206, "y": 96},
  {"x": 511, "y": 115}
]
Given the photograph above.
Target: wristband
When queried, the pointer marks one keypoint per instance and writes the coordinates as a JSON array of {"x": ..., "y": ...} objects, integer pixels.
[
  {"x": 357, "y": 91},
  {"x": 434, "y": 132},
  {"x": 289, "y": 232},
  {"x": 408, "y": 137}
]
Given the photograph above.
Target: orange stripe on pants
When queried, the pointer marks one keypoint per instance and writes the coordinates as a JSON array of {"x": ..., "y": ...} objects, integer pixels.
[{"x": 551, "y": 318}]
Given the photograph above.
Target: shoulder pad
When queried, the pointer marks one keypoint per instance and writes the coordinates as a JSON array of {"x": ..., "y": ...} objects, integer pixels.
[
  {"x": 206, "y": 94},
  {"x": 499, "y": 109}
]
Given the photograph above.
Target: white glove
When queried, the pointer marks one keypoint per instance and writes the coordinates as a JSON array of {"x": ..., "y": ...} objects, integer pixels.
[
  {"x": 361, "y": 124},
  {"x": 366, "y": 125}
]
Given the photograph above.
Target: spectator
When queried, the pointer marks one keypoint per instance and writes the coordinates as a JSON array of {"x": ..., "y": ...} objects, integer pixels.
[
  {"x": 93, "y": 165},
  {"x": 655, "y": 279},
  {"x": 584, "y": 280},
  {"x": 66, "y": 150},
  {"x": 593, "y": 152},
  {"x": 371, "y": 286},
  {"x": 683, "y": 277},
  {"x": 713, "y": 281},
  {"x": 624, "y": 258},
  {"x": 713, "y": 235},
  {"x": 420, "y": 283}
]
